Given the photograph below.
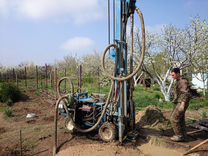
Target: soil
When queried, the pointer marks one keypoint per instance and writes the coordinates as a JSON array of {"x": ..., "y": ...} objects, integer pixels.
[{"x": 37, "y": 135}]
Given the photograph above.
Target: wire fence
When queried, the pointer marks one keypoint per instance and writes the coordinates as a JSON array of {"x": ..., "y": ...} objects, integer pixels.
[{"x": 47, "y": 77}]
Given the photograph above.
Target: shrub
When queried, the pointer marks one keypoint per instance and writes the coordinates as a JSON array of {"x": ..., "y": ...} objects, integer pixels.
[
  {"x": 8, "y": 113},
  {"x": 9, "y": 93}
]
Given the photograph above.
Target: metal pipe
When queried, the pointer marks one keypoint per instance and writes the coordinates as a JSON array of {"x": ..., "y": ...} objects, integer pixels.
[
  {"x": 109, "y": 23},
  {"x": 114, "y": 18},
  {"x": 115, "y": 46}
]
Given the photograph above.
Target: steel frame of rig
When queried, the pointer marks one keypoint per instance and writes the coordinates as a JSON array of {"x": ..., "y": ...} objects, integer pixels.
[{"x": 115, "y": 116}]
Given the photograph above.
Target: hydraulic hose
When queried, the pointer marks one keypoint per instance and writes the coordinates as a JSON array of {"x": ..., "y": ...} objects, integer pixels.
[
  {"x": 56, "y": 121},
  {"x": 59, "y": 86},
  {"x": 101, "y": 116},
  {"x": 76, "y": 127},
  {"x": 115, "y": 46}
]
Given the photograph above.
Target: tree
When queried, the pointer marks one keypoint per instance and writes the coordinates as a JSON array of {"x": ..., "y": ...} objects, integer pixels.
[
  {"x": 162, "y": 54},
  {"x": 70, "y": 64},
  {"x": 195, "y": 45},
  {"x": 91, "y": 63}
]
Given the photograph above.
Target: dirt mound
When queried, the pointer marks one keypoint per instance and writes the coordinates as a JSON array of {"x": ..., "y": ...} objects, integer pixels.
[{"x": 151, "y": 117}]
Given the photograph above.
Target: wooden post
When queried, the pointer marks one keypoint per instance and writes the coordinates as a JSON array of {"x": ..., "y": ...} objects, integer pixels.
[
  {"x": 80, "y": 79},
  {"x": 26, "y": 77},
  {"x": 6, "y": 77},
  {"x": 51, "y": 77},
  {"x": 41, "y": 80},
  {"x": 46, "y": 75},
  {"x": 37, "y": 77},
  {"x": 98, "y": 79},
  {"x": 20, "y": 143},
  {"x": 3, "y": 77},
  {"x": 13, "y": 74},
  {"x": 65, "y": 80},
  {"x": 17, "y": 80},
  {"x": 55, "y": 81}
]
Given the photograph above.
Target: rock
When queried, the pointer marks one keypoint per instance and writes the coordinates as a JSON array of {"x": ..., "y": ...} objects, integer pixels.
[{"x": 31, "y": 116}]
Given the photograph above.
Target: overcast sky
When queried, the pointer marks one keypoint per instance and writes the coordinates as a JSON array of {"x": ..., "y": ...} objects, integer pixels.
[{"x": 43, "y": 31}]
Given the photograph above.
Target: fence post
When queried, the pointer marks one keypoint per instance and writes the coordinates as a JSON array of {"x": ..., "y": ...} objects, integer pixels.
[
  {"x": 20, "y": 143},
  {"x": 17, "y": 80},
  {"x": 26, "y": 77},
  {"x": 51, "y": 77},
  {"x": 80, "y": 79},
  {"x": 37, "y": 77},
  {"x": 13, "y": 74},
  {"x": 4, "y": 79},
  {"x": 46, "y": 74},
  {"x": 55, "y": 80},
  {"x": 98, "y": 79},
  {"x": 6, "y": 76},
  {"x": 65, "y": 80},
  {"x": 41, "y": 80}
]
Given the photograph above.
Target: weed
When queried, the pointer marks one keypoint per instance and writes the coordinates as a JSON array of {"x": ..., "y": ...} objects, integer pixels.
[{"x": 8, "y": 112}]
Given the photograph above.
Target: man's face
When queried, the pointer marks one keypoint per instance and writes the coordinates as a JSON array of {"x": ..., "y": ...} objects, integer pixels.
[{"x": 175, "y": 76}]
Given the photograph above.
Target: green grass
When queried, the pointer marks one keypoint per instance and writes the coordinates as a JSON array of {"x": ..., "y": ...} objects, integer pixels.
[
  {"x": 150, "y": 96},
  {"x": 198, "y": 103},
  {"x": 145, "y": 97}
]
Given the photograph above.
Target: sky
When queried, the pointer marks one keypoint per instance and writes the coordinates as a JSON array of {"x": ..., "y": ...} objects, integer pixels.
[{"x": 44, "y": 31}]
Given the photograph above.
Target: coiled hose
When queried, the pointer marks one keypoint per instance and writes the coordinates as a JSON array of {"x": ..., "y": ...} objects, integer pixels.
[
  {"x": 65, "y": 96},
  {"x": 115, "y": 46}
]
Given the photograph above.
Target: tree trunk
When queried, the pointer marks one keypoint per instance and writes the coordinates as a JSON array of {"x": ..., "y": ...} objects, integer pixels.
[
  {"x": 165, "y": 92},
  {"x": 204, "y": 87}
]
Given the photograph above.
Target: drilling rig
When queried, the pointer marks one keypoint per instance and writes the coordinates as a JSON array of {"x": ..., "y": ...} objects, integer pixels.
[{"x": 113, "y": 117}]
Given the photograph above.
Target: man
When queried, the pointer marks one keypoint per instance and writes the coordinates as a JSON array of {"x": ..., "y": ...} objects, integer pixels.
[{"x": 181, "y": 101}]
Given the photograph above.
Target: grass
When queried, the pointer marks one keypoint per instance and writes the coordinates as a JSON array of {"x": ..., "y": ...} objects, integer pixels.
[
  {"x": 143, "y": 97},
  {"x": 150, "y": 96},
  {"x": 198, "y": 103},
  {"x": 8, "y": 112}
]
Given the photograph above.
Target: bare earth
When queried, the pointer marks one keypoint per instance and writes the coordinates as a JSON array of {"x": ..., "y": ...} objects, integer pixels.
[{"x": 37, "y": 135}]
